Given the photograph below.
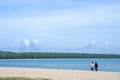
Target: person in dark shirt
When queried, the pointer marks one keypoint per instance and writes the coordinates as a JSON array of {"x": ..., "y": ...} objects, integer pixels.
[{"x": 96, "y": 66}]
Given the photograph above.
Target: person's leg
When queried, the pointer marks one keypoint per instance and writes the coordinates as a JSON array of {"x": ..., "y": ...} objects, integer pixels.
[
  {"x": 91, "y": 69},
  {"x": 97, "y": 69}
]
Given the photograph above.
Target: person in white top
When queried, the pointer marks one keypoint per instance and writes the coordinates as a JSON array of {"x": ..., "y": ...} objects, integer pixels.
[{"x": 92, "y": 66}]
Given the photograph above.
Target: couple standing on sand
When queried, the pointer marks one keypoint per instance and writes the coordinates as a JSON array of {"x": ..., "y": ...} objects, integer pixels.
[{"x": 94, "y": 66}]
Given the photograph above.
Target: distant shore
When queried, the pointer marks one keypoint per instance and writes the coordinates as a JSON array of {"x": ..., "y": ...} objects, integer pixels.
[
  {"x": 56, "y": 74},
  {"x": 53, "y": 55},
  {"x": 60, "y": 58}
]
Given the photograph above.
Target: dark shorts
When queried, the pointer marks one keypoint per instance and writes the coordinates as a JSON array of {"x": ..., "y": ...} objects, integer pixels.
[{"x": 91, "y": 69}]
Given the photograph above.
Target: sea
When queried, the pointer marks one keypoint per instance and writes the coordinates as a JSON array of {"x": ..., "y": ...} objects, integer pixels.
[{"x": 66, "y": 64}]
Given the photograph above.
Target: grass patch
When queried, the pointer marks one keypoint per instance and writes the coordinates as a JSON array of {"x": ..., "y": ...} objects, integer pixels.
[{"x": 22, "y": 78}]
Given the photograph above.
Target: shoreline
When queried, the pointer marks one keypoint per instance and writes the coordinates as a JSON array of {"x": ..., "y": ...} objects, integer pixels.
[
  {"x": 58, "y": 74},
  {"x": 57, "y": 69}
]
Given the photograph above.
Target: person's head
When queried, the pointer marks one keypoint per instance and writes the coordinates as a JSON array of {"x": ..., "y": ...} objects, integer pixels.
[{"x": 92, "y": 62}]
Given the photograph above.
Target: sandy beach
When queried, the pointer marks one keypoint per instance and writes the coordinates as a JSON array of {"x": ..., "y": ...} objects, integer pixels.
[{"x": 56, "y": 74}]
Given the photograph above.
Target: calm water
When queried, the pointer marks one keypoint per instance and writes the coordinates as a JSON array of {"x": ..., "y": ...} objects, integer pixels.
[{"x": 68, "y": 64}]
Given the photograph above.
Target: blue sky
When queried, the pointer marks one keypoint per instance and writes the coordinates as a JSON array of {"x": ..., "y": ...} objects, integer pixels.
[{"x": 60, "y": 25}]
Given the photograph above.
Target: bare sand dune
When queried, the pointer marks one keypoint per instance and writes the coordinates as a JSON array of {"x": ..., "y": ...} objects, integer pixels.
[{"x": 59, "y": 74}]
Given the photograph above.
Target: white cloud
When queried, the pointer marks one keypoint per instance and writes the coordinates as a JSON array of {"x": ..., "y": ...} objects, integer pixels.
[
  {"x": 29, "y": 45},
  {"x": 36, "y": 42},
  {"x": 26, "y": 42},
  {"x": 93, "y": 42}
]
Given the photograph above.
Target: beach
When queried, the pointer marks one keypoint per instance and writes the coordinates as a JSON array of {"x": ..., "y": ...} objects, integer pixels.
[{"x": 57, "y": 74}]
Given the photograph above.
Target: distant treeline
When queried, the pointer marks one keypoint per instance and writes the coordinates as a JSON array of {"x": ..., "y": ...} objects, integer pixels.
[{"x": 47, "y": 55}]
